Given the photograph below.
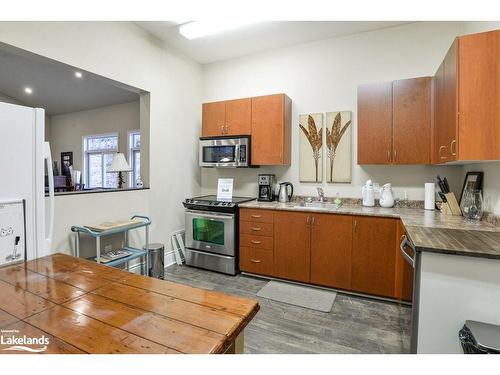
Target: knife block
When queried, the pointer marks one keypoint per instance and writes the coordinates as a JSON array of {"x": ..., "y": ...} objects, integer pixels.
[{"x": 451, "y": 206}]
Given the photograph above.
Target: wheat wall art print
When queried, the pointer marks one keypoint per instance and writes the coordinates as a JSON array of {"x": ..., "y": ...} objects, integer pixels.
[
  {"x": 310, "y": 143},
  {"x": 338, "y": 146}
]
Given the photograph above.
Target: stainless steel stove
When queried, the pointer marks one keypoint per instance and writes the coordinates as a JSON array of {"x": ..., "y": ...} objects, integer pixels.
[{"x": 212, "y": 233}]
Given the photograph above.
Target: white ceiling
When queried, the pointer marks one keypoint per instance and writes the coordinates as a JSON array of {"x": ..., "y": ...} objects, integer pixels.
[
  {"x": 55, "y": 87},
  {"x": 256, "y": 37}
]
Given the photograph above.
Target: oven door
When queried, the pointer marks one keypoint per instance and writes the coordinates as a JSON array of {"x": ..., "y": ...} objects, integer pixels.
[
  {"x": 224, "y": 152},
  {"x": 210, "y": 231}
]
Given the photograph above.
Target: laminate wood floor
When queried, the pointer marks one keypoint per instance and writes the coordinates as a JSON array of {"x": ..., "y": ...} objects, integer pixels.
[{"x": 355, "y": 324}]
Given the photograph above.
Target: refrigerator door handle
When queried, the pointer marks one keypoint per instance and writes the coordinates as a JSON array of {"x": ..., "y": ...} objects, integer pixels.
[{"x": 47, "y": 155}]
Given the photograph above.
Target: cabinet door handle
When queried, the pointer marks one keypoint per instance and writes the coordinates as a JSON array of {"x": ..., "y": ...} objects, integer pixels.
[
  {"x": 441, "y": 148},
  {"x": 355, "y": 224},
  {"x": 222, "y": 129},
  {"x": 255, "y": 229},
  {"x": 256, "y": 242},
  {"x": 388, "y": 155},
  {"x": 308, "y": 219},
  {"x": 454, "y": 142},
  {"x": 256, "y": 216},
  {"x": 255, "y": 260},
  {"x": 395, "y": 155},
  {"x": 312, "y": 220}
]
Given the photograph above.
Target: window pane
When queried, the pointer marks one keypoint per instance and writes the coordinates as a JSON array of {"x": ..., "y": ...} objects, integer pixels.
[
  {"x": 95, "y": 170},
  {"x": 136, "y": 140},
  {"x": 111, "y": 179},
  {"x": 137, "y": 166},
  {"x": 102, "y": 143}
]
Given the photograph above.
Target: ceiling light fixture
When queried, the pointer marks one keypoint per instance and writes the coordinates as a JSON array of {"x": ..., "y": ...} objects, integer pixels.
[
  {"x": 28, "y": 90},
  {"x": 198, "y": 29},
  {"x": 78, "y": 74}
]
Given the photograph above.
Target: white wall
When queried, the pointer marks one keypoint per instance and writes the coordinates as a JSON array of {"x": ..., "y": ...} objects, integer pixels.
[
  {"x": 67, "y": 130},
  {"x": 124, "y": 52},
  {"x": 323, "y": 76}
]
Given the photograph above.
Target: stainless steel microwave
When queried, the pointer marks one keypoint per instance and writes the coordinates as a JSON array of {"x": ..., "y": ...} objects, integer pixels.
[{"x": 225, "y": 152}]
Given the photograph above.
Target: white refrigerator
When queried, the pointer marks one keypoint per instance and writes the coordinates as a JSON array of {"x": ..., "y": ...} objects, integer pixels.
[{"x": 24, "y": 232}]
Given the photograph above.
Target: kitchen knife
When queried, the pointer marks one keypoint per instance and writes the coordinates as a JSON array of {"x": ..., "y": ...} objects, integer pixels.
[
  {"x": 442, "y": 196},
  {"x": 441, "y": 184},
  {"x": 447, "y": 187}
]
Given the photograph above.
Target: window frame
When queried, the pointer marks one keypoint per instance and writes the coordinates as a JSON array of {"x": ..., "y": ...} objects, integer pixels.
[
  {"x": 102, "y": 152},
  {"x": 131, "y": 160}
]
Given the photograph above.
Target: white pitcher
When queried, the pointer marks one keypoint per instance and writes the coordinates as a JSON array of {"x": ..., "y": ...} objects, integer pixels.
[{"x": 386, "y": 196}]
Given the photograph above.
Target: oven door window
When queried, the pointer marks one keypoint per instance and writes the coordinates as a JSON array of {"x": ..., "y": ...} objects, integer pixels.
[
  {"x": 218, "y": 154},
  {"x": 208, "y": 231}
]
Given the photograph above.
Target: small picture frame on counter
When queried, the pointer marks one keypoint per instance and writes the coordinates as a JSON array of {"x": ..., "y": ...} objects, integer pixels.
[{"x": 474, "y": 181}]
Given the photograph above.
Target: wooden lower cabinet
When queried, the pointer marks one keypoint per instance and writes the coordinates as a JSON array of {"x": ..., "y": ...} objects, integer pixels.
[
  {"x": 258, "y": 261},
  {"x": 331, "y": 244},
  {"x": 354, "y": 253},
  {"x": 292, "y": 245},
  {"x": 373, "y": 257}
]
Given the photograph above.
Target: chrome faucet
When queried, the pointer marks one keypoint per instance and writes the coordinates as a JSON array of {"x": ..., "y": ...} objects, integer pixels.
[{"x": 321, "y": 195}]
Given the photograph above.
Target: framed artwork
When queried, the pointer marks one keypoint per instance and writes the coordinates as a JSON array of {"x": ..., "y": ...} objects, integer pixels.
[
  {"x": 310, "y": 143},
  {"x": 338, "y": 146},
  {"x": 66, "y": 162},
  {"x": 474, "y": 181}
]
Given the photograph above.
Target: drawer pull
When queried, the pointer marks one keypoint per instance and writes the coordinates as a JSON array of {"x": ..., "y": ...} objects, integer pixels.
[
  {"x": 256, "y": 216},
  {"x": 256, "y": 242},
  {"x": 256, "y": 229},
  {"x": 255, "y": 260}
]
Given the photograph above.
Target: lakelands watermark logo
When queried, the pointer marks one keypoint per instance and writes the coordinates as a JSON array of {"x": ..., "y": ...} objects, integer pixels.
[{"x": 15, "y": 341}]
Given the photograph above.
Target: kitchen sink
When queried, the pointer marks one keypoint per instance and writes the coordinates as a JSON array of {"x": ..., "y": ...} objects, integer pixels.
[{"x": 317, "y": 204}]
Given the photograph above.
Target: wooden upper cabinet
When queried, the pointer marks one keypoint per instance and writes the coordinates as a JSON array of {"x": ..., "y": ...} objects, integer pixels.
[
  {"x": 271, "y": 130},
  {"x": 292, "y": 241},
  {"x": 373, "y": 266},
  {"x": 267, "y": 119},
  {"x": 411, "y": 121},
  {"x": 479, "y": 96},
  {"x": 213, "y": 119},
  {"x": 467, "y": 100},
  {"x": 238, "y": 117},
  {"x": 394, "y": 122},
  {"x": 331, "y": 242},
  {"x": 445, "y": 108},
  {"x": 375, "y": 123}
]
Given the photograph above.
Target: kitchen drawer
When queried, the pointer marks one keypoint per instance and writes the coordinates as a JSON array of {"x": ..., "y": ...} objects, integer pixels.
[
  {"x": 256, "y": 215},
  {"x": 259, "y": 242},
  {"x": 258, "y": 229},
  {"x": 256, "y": 261}
]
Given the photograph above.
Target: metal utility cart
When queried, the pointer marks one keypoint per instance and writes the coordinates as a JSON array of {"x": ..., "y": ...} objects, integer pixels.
[{"x": 136, "y": 253}]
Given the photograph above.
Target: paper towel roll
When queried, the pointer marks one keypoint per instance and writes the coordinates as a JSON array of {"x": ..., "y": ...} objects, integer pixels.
[{"x": 429, "y": 195}]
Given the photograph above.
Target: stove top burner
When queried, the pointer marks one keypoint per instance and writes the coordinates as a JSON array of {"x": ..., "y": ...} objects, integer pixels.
[{"x": 210, "y": 202}]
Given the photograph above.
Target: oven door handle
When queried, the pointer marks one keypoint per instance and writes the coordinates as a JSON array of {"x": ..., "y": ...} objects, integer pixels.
[
  {"x": 210, "y": 215},
  {"x": 404, "y": 243}
]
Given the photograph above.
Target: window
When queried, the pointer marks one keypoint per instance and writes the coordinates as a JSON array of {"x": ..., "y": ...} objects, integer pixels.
[
  {"x": 134, "y": 148},
  {"x": 98, "y": 156}
]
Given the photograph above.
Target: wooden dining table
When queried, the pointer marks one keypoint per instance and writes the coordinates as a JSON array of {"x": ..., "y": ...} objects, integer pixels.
[{"x": 79, "y": 306}]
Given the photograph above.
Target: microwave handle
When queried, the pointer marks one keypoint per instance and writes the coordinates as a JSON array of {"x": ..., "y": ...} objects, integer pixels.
[{"x": 237, "y": 154}]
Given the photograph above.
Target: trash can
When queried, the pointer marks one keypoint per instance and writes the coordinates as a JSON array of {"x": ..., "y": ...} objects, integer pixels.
[
  {"x": 156, "y": 260},
  {"x": 480, "y": 338}
]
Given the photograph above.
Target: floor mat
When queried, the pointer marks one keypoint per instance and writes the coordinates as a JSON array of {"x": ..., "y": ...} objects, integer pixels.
[{"x": 298, "y": 295}]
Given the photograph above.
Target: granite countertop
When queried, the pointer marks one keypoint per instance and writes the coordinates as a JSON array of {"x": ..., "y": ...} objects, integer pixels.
[{"x": 427, "y": 230}]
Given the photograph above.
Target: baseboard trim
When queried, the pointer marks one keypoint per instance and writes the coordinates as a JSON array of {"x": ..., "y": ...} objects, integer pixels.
[{"x": 169, "y": 258}]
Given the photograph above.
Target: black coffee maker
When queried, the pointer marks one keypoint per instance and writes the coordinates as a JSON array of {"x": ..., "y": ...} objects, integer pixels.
[{"x": 266, "y": 187}]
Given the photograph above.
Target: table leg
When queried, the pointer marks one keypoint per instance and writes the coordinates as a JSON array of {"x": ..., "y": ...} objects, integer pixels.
[{"x": 237, "y": 347}]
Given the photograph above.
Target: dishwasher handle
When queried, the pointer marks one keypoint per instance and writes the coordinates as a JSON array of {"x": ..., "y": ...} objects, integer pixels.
[{"x": 406, "y": 243}]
